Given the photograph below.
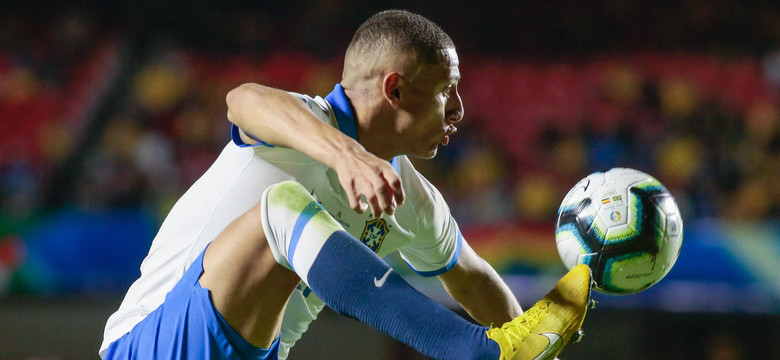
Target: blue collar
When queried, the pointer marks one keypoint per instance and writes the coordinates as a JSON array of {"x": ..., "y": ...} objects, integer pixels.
[
  {"x": 343, "y": 110},
  {"x": 345, "y": 117}
]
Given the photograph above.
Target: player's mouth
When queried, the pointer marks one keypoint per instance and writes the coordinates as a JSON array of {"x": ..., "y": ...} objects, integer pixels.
[{"x": 449, "y": 130}]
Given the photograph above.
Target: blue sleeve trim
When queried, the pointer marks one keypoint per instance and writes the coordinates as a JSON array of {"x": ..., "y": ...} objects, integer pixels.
[
  {"x": 235, "y": 135},
  {"x": 449, "y": 265}
]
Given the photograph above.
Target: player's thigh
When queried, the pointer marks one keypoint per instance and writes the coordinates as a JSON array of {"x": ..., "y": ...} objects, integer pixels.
[
  {"x": 186, "y": 323},
  {"x": 248, "y": 287}
]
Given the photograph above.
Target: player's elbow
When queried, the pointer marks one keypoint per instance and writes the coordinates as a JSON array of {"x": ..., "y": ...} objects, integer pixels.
[
  {"x": 234, "y": 96},
  {"x": 238, "y": 99}
]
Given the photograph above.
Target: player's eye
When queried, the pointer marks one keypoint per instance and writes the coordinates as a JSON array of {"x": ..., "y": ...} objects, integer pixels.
[{"x": 447, "y": 90}]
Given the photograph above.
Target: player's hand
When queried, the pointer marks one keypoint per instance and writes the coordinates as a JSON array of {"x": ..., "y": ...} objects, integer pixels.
[{"x": 363, "y": 175}]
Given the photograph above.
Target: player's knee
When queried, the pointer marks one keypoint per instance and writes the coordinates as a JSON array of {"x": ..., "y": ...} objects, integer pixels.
[{"x": 288, "y": 193}]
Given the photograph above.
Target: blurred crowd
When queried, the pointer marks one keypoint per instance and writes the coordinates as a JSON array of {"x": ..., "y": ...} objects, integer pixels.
[
  {"x": 705, "y": 123},
  {"x": 707, "y": 127}
]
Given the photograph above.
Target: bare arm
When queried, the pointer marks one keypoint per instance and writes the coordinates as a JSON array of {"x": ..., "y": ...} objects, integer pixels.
[
  {"x": 280, "y": 119},
  {"x": 478, "y": 288}
]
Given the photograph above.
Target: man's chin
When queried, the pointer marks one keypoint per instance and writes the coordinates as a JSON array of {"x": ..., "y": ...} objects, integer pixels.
[{"x": 427, "y": 156}]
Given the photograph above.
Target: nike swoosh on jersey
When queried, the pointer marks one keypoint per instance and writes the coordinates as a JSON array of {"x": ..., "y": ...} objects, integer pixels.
[
  {"x": 381, "y": 282},
  {"x": 552, "y": 347}
]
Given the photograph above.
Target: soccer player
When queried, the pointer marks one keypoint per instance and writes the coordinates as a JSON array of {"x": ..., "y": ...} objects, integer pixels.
[{"x": 299, "y": 208}]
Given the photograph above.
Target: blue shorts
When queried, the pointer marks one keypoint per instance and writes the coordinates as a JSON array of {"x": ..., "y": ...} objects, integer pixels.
[{"x": 187, "y": 326}]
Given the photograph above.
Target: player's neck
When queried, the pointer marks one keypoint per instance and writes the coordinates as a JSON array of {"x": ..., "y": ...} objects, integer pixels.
[
  {"x": 376, "y": 140},
  {"x": 374, "y": 128}
]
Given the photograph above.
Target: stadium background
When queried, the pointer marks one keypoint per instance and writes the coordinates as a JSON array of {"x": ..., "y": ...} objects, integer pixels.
[{"x": 109, "y": 110}]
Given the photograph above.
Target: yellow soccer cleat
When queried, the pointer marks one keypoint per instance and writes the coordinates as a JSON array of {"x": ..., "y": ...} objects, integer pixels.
[{"x": 545, "y": 329}]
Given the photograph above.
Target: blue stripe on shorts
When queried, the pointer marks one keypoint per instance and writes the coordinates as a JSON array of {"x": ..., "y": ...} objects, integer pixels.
[{"x": 187, "y": 326}]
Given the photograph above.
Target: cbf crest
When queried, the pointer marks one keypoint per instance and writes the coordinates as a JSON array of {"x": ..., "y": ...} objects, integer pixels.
[{"x": 374, "y": 233}]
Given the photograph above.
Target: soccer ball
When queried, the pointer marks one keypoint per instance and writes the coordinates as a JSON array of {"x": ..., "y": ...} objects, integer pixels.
[{"x": 624, "y": 225}]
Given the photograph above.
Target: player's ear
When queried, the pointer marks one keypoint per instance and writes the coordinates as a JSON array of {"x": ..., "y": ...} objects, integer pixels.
[{"x": 391, "y": 85}]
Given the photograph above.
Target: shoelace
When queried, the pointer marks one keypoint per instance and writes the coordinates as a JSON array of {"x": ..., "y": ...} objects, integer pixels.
[{"x": 520, "y": 327}]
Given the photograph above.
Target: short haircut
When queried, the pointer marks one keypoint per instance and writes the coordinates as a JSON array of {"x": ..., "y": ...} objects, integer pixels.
[{"x": 401, "y": 31}]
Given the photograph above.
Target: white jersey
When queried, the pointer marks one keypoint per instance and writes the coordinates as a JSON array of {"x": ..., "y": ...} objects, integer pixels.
[{"x": 422, "y": 230}]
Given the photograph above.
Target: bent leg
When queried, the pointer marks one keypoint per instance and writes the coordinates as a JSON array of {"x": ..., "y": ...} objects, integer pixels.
[
  {"x": 247, "y": 270},
  {"x": 346, "y": 275},
  {"x": 248, "y": 287}
]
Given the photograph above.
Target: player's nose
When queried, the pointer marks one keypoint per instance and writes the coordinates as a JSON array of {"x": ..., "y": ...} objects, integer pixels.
[
  {"x": 454, "y": 117},
  {"x": 455, "y": 109}
]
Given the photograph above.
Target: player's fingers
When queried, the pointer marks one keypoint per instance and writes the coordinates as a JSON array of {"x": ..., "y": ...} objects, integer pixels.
[
  {"x": 393, "y": 183},
  {"x": 373, "y": 202},
  {"x": 354, "y": 200},
  {"x": 384, "y": 197}
]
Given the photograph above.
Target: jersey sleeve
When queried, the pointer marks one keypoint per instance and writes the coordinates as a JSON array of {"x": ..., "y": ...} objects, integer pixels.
[
  {"x": 317, "y": 105},
  {"x": 435, "y": 247}
]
